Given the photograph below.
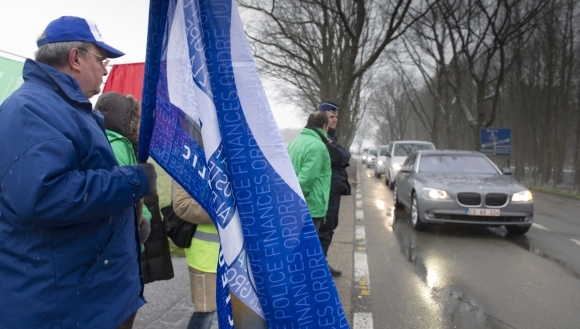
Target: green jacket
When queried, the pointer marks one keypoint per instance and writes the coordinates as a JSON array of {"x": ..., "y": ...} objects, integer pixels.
[
  {"x": 311, "y": 163},
  {"x": 125, "y": 156}
]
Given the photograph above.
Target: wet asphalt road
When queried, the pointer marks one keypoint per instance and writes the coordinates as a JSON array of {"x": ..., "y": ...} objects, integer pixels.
[{"x": 471, "y": 277}]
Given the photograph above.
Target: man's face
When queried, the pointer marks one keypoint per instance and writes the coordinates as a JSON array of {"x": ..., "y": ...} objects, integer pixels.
[
  {"x": 92, "y": 70},
  {"x": 332, "y": 119}
]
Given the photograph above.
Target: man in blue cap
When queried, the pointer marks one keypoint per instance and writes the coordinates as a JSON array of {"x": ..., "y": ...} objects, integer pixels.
[
  {"x": 69, "y": 255},
  {"x": 339, "y": 186}
]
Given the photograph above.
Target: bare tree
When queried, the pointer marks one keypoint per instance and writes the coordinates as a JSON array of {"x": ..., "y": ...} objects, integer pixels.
[
  {"x": 323, "y": 49},
  {"x": 428, "y": 49},
  {"x": 394, "y": 111},
  {"x": 390, "y": 109},
  {"x": 362, "y": 135},
  {"x": 479, "y": 32},
  {"x": 576, "y": 164}
]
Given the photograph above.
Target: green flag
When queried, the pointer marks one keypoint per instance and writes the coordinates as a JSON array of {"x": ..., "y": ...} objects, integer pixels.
[{"x": 10, "y": 77}]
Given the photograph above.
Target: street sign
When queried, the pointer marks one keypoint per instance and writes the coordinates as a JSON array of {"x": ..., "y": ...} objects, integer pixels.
[{"x": 496, "y": 141}]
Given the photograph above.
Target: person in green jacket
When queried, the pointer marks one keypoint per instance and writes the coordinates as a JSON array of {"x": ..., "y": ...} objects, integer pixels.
[
  {"x": 122, "y": 115},
  {"x": 311, "y": 162}
]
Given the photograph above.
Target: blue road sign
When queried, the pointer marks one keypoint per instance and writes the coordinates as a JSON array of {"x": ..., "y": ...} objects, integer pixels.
[{"x": 496, "y": 141}]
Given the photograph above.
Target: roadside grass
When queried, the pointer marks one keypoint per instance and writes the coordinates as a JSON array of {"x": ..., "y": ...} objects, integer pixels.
[
  {"x": 164, "y": 192},
  {"x": 549, "y": 190}
]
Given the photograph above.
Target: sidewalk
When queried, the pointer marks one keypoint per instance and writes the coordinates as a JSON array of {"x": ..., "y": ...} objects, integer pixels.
[{"x": 169, "y": 302}]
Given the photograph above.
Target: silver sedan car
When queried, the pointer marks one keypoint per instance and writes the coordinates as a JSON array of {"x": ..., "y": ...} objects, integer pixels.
[{"x": 443, "y": 186}]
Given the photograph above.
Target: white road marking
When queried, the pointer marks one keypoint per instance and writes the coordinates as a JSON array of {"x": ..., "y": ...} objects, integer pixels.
[
  {"x": 575, "y": 241},
  {"x": 538, "y": 226},
  {"x": 363, "y": 321},
  {"x": 361, "y": 268},
  {"x": 359, "y": 234}
]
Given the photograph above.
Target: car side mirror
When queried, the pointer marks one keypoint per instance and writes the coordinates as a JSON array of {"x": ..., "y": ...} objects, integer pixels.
[
  {"x": 388, "y": 155},
  {"x": 406, "y": 169},
  {"x": 506, "y": 171}
]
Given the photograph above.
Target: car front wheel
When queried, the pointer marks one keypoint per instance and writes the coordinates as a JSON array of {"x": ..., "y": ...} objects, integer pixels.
[
  {"x": 396, "y": 202},
  {"x": 416, "y": 214},
  {"x": 518, "y": 229}
]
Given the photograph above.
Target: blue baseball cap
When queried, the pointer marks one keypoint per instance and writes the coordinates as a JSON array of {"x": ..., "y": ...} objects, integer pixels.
[
  {"x": 70, "y": 28},
  {"x": 328, "y": 106}
]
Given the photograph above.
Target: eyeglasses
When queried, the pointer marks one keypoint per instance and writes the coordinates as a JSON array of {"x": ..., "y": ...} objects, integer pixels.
[{"x": 105, "y": 61}]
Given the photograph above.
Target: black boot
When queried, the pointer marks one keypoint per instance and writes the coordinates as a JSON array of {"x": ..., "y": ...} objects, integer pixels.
[{"x": 334, "y": 272}]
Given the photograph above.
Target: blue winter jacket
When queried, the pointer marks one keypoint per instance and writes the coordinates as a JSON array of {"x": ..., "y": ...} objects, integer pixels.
[{"x": 69, "y": 251}]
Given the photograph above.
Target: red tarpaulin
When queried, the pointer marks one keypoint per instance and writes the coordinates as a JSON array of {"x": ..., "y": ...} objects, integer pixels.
[{"x": 126, "y": 79}]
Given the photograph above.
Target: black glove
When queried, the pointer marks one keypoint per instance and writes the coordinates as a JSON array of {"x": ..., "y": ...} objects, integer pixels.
[
  {"x": 151, "y": 177},
  {"x": 144, "y": 230}
]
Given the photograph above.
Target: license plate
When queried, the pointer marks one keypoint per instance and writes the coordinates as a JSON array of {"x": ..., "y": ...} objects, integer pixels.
[{"x": 481, "y": 212}]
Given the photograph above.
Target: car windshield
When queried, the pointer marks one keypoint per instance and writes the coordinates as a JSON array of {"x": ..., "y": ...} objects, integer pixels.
[
  {"x": 403, "y": 150},
  {"x": 383, "y": 151},
  {"x": 452, "y": 163},
  {"x": 373, "y": 152}
]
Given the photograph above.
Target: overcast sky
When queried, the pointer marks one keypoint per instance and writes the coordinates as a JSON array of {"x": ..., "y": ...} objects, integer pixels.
[{"x": 123, "y": 24}]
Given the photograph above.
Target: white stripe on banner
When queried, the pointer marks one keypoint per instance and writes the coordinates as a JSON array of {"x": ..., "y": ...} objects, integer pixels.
[
  {"x": 207, "y": 122},
  {"x": 256, "y": 108}
]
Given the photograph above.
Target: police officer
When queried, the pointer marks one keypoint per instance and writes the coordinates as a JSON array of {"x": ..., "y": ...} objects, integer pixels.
[{"x": 339, "y": 186}]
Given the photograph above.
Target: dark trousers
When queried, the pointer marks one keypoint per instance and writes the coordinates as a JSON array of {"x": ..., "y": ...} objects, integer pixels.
[
  {"x": 327, "y": 228},
  {"x": 317, "y": 221},
  {"x": 128, "y": 323},
  {"x": 200, "y": 320}
]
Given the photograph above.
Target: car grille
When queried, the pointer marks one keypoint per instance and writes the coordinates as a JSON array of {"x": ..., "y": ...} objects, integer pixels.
[
  {"x": 496, "y": 199},
  {"x": 474, "y": 199},
  {"x": 499, "y": 219},
  {"x": 469, "y": 199}
]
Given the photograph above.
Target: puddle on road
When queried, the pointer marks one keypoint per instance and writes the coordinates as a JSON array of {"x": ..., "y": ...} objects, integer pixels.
[
  {"x": 459, "y": 309},
  {"x": 519, "y": 240},
  {"x": 523, "y": 242}
]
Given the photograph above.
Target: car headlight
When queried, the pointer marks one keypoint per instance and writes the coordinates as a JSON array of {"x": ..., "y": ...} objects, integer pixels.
[
  {"x": 522, "y": 196},
  {"x": 396, "y": 166},
  {"x": 381, "y": 162},
  {"x": 433, "y": 193},
  {"x": 364, "y": 156}
]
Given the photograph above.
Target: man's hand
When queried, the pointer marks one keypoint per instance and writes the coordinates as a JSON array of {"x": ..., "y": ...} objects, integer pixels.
[
  {"x": 151, "y": 177},
  {"x": 144, "y": 230}
]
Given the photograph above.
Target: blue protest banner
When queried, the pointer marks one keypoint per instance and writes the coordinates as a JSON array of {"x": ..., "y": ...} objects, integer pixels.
[{"x": 207, "y": 122}]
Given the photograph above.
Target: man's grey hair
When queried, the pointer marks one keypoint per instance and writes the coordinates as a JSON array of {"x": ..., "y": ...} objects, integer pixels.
[{"x": 56, "y": 54}]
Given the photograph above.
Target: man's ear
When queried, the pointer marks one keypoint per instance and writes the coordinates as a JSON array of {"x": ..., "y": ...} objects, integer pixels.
[{"x": 74, "y": 58}]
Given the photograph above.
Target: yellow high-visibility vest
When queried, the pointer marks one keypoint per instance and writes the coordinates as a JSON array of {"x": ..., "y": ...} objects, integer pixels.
[{"x": 204, "y": 250}]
